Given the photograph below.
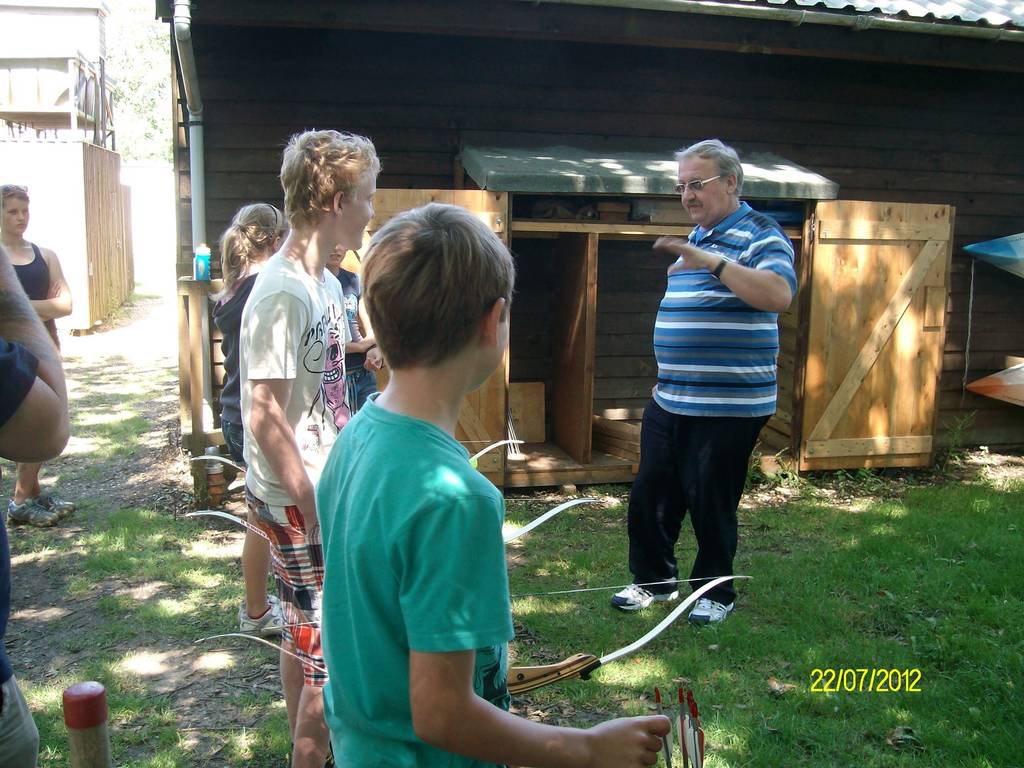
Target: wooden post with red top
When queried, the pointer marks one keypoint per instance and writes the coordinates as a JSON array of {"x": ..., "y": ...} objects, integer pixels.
[{"x": 85, "y": 715}]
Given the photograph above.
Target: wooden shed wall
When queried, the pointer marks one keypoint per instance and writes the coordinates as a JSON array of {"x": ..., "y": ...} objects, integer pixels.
[{"x": 883, "y": 131}]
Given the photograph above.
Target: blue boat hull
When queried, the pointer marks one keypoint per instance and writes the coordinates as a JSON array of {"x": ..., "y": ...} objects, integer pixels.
[{"x": 1006, "y": 253}]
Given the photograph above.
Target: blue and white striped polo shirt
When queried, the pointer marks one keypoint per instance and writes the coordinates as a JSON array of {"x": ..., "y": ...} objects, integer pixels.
[{"x": 716, "y": 354}]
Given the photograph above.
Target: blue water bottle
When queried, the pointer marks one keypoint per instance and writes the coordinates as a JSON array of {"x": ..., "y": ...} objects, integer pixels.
[{"x": 201, "y": 263}]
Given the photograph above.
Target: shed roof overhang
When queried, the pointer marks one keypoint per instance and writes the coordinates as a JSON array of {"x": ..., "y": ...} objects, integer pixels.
[
  {"x": 555, "y": 167},
  {"x": 627, "y": 23}
]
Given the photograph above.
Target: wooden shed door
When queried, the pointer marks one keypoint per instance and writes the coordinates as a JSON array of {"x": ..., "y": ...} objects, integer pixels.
[
  {"x": 876, "y": 331},
  {"x": 482, "y": 419}
]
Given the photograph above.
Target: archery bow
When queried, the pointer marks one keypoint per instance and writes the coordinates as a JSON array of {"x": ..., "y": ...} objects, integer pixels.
[
  {"x": 221, "y": 459},
  {"x": 512, "y": 535},
  {"x": 491, "y": 447},
  {"x": 582, "y": 665},
  {"x": 229, "y": 517}
]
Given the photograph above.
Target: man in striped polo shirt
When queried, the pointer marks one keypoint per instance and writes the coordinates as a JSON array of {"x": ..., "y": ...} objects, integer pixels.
[{"x": 716, "y": 340}]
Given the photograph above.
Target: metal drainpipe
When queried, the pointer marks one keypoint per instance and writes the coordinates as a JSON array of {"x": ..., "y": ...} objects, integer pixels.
[
  {"x": 197, "y": 170},
  {"x": 799, "y": 16}
]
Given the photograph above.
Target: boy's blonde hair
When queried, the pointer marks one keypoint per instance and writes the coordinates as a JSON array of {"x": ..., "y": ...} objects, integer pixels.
[
  {"x": 429, "y": 277},
  {"x": 319, "y": 164},
  {"x": 252, "y": 231}
]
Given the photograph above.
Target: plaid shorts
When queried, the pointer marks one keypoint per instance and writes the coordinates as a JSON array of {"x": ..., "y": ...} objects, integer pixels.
[{"x": 299, "y": 573}]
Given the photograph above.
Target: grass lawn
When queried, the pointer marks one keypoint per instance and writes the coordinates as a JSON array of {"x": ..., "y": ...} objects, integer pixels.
[
  {"x": 924, "y": 577},
  {"x": 929, "y": 581}
]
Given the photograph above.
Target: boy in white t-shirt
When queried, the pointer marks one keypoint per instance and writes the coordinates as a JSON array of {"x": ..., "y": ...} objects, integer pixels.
[{"x": 292, "y": 371}]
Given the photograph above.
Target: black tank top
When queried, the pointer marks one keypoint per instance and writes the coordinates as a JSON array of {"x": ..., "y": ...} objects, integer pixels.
[{"x": 35, "y": 280}]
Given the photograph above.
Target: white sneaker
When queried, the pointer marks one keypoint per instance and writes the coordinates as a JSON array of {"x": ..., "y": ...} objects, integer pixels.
[
  {"x": 269, "y": 624},
  {"x": 635, "y": 598},
  {"x": 709, "y": 612}
]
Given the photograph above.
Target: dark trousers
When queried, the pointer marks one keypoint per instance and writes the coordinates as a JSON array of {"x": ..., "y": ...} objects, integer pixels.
[{"x": 694, "y": 464}]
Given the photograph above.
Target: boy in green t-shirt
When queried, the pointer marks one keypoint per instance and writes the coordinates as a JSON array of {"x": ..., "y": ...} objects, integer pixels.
[{"x": 416, "y": 615}]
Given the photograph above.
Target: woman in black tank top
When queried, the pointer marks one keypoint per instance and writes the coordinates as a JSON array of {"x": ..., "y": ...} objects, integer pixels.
[
  {"x": 35, "y": 279},
  {"x": 43, "y": 280}
]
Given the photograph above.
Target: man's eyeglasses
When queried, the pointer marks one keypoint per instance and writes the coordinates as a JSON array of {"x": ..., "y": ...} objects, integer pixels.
[{"x": 696, "y": 185}]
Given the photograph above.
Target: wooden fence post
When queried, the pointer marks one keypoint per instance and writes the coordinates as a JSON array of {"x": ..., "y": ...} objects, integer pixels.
[{"x": 85, "y": 715}]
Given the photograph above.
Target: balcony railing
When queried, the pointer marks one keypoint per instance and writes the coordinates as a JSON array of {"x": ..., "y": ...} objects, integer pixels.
[{"x": 54, "y": 94}]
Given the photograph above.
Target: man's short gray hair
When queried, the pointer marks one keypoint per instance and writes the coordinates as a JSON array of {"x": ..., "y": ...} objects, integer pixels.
[{"x": 723, "y": 155}]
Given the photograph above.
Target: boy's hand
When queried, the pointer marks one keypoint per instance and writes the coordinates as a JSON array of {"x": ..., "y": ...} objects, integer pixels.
[
  {"x": 374, "y": 359},
  {"x": 629, "y": 741}
]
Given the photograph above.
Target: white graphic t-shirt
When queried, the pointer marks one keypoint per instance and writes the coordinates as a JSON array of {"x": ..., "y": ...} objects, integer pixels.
[{"x": 294, "y": 327}]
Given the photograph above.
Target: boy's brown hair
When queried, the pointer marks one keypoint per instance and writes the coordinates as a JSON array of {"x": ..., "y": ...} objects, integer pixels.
[
  {"x": 429, "y": 277},
  {"x": 317, "y": 165},
  {"x": 13, "y": 190}
]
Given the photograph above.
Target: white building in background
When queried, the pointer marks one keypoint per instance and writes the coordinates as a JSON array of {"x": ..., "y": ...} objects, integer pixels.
[
  {"x": 53, "y": 81},
  {"x": 57, "y": 139}
]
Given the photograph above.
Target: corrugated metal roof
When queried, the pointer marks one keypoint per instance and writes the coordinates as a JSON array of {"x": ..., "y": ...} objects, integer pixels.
[
  {"x": 596, "y": 165},
  {"x": 998, "y": 19},
  {"x": 994, "y": 12}
]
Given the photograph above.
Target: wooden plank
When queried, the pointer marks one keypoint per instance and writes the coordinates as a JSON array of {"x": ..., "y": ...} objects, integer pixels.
[
  {"x": 619, "y": 413},
  {"x": 631, "y": 366},
  {"x": 877, "y": 230},
  {"x": 526, "y": 409},
  {"x": 935, "y": 306},
  {"x": 773, "y": 441},
  {"x": 574, "y": 331},
  {"x": 184, "y": 369},
  {"x": 548, "y": 464},
  {"x": 472, "y": 426},
  {"x": 526, "y": 226},
  {"x": 876, "y": 341},
  {"x": 199, "y": 377},
  {"x": 623, "y": 473},
  {"x": 490, "y": 207},
  {"x": 622, "y": 429},
  {"x": 804, "y": 266},
  {"x": 869, "y": 446},
  {"x": 866, "y": 462},
  {"x": 618, "y": 448},
  {"x": 623, "y": 388}
]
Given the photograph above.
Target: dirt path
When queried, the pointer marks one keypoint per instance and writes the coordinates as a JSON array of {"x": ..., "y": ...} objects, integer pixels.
[{"x": 124, "y": 454}]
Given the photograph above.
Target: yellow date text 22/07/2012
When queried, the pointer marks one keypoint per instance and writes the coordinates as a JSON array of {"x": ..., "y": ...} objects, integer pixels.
[{"x": 865, "y": 680}]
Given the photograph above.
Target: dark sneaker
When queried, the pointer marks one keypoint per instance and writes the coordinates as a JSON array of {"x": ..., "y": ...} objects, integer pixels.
[
  {"x": 709, "y": 612},
  {"x": 635, "y": 598},
  {"x": 29, "y": 512},
  {"x": 55, "y": 503}
]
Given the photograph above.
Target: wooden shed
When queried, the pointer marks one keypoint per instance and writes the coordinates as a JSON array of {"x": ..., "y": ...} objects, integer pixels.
[{"x": 872, "y": 357}]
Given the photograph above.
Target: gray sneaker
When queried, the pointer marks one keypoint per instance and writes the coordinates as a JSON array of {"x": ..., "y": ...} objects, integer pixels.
[
  {"x": 636, "y": 598},
  {"x": 30, "y": 512},
  {"x": 55, "y": 503},
  {"x": 710, "y": 612},
  {"x": 269, "y": 624}
]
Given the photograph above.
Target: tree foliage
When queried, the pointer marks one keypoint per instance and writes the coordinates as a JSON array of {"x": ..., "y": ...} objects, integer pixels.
[{"x": 139, "y": 65}]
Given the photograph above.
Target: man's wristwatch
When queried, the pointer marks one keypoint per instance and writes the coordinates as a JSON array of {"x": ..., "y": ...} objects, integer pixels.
[{"x": 717, "y": 271}]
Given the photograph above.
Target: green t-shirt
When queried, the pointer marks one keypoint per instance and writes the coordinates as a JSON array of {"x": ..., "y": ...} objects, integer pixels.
[{"x": 414, "y": 560}]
